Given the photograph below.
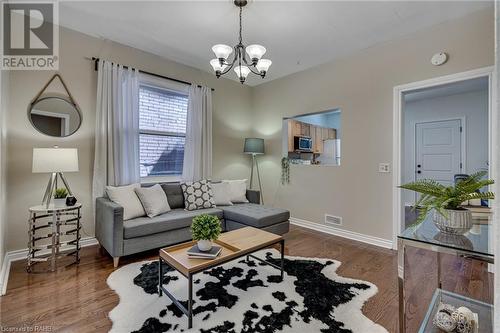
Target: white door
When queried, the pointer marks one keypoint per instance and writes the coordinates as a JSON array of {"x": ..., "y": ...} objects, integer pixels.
[{"x": 438, "y": 147}]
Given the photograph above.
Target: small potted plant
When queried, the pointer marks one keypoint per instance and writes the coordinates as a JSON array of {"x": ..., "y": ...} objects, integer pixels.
[
  {"x": 205, "y": 229},
  {"x": 60, "y": 195},
  {"x": 446, "y": 201}
]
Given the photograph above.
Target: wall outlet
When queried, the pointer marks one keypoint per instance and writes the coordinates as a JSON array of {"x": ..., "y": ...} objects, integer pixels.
[{"x": 384, "y": 167}]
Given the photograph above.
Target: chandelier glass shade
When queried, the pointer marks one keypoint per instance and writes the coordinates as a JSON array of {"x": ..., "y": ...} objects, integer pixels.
[{"x": 243, "y": 66}]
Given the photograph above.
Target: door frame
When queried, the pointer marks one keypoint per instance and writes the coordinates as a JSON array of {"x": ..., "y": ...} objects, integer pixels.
[{"x": 397, "y": 125}]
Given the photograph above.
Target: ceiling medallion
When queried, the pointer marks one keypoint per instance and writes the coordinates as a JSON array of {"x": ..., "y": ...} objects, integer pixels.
[{"x": 242, "y": 66}]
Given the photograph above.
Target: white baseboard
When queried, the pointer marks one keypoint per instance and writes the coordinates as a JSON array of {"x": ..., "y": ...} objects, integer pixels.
[
  {"x": 22, "y": 254},
  {"x": 385, "y": 243}
]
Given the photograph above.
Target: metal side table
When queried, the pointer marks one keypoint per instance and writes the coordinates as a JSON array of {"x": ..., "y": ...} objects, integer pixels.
[
  {"x": 54, "y": 232},
  {"x": 475, "y": 245}
]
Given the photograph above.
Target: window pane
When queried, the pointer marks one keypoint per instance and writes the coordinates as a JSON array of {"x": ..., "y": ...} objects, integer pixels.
[
  {"x": 162, "y": 110},
  {"x": 161, "y": 155}
]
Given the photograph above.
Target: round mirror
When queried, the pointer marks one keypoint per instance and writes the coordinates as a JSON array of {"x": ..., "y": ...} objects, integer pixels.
[{"x": 55, "y": 116}]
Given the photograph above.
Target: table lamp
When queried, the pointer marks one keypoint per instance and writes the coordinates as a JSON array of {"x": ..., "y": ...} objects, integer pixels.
[
  {"x": 54, "y": 161},
  {"x": 255, "y": 146}
]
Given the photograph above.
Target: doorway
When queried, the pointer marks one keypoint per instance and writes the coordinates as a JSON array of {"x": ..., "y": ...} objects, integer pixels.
[{"x": 442, "y": 128}]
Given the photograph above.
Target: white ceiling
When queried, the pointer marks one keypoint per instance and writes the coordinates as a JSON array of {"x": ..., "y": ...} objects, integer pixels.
[{"x": 297, "y": 34}]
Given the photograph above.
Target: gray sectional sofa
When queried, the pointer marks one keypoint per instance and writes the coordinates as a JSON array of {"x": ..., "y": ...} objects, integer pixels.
[{"x": 121, "y": 238}]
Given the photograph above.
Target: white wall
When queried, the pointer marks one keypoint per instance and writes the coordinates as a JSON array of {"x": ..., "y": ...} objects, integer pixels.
[
  {"x": 361, "y": 85},
  {"x": 471, "y": 106}
]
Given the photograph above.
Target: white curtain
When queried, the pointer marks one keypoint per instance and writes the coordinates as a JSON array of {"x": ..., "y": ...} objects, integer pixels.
[
  {"x": 198, "y": 146},
  {"x": 116, "y": 160}
]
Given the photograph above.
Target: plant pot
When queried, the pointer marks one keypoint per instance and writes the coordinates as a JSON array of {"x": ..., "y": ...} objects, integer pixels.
[
  {"x": 60, "y": 202},
  {"x": 457, "y": 222},
  {"x": 204, "y": 245}
]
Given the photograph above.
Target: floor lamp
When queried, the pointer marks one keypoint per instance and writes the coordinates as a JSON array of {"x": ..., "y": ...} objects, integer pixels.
[{"x": 255, "y": 146}]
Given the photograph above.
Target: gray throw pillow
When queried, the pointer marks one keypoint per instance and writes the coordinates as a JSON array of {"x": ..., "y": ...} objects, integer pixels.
[
  {"x": 198, "y": 195},
  {"x": 153, "y": 199}
]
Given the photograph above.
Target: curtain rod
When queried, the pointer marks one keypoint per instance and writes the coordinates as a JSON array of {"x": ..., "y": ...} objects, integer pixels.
[{"x": 149, "y": 73}]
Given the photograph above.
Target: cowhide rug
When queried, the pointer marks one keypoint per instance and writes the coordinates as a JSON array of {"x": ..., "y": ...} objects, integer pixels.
[{"x": 246, "y": 297}]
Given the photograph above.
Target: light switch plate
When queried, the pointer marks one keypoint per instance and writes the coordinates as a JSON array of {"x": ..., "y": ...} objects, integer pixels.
[{"x": 384, "y": 167}]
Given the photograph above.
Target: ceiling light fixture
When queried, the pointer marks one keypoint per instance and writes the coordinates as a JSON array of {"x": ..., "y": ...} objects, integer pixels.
[{"x": 242, "y": 67}]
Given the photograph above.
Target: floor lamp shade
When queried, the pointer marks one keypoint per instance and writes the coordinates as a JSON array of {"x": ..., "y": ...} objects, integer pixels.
[
  {"x": 48, "y": 160},
  {"x": 254, "y": 146}
]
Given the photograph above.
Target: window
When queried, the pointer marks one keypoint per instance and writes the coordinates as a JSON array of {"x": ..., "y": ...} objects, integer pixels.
[{"x": 162, "y": 128}]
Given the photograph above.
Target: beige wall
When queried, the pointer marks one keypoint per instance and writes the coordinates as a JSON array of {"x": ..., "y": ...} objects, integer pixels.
[
  {"x": 362, "y": 86},
  {"x": 4, "y": 78},
  {"x": 232, "y": 121}
]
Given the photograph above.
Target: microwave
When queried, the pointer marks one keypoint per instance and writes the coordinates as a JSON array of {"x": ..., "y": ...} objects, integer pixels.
[{"x": 302, "y": 143}]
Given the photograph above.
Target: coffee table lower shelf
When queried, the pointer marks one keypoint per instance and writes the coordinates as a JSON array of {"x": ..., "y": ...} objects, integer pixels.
[{"x": 236, "y": 255}]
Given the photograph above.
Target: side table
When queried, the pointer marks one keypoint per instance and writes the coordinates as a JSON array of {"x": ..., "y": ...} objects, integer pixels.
[
  {"x": 474, "y": 245},
  {"x": 58, "y": 224}
]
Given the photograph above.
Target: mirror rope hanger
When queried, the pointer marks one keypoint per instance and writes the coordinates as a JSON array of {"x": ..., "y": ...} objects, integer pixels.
[{"x": 48, "y": 83}]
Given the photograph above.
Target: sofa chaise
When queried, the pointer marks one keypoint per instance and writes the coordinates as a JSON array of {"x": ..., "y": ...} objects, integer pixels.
[{"x": 121, "y": 238}]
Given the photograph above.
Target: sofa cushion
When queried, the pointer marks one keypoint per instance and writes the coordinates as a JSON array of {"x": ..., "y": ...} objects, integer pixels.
[
  {"x": 175, "y": 196},
  {"x": 198, "y": 195},
  {"x": 255, "y": 215},
  {"x": 153, "y": 199},
  {"x": 126, "y": 197},
  {"x": 175, "y": 219}
]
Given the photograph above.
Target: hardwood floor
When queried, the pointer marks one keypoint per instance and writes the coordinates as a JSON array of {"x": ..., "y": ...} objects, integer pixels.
[{"x": 77, "y": 298}]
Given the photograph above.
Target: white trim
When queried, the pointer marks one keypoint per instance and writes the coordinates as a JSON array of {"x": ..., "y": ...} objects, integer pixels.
[
  {"x": 22, "y": 254},
  {"x": 380, "y": 242},
  {"x": 397, "y": 130}
]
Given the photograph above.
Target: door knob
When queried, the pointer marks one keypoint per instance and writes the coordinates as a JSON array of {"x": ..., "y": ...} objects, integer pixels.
[
  {"x": 419, "y": 171},
  {"x": 419, "y": 166}
]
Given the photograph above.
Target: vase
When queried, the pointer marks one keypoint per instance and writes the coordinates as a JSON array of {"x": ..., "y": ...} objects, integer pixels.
[
  {"x": 456, "y": 221},
  {"x": 60, "y": 202},
  {"x": 204, "y": 245}
]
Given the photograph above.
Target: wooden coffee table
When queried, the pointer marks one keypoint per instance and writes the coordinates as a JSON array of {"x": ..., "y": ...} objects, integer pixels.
[{"x": 235, "y": 244}]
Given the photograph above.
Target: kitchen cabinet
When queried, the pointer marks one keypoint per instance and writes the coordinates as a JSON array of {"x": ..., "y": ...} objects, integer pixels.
[
  {"x": 305, "y": 129},
  {"x": 318, "y": 134}
]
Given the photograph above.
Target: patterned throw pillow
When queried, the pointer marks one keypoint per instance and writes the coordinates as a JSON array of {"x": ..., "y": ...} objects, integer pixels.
[{"x": 198, "y": 195}]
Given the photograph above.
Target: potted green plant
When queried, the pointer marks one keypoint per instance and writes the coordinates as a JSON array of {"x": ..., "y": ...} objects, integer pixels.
[
  {"x": 60, "y": 195},
  {"x": 205, "y": 229},
  {"x": 447, "y": 201}
]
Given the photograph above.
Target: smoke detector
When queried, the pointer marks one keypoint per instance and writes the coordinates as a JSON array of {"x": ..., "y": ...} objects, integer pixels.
[{"x": 439, "y": 59}]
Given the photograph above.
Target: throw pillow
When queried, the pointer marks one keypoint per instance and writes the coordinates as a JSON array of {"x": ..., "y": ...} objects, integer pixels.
[
  {"x": 221, "y": 194},
  {"x": 237, "y": 190},
  {"x": 198, "y": 195},
  {"x": 153, "y": 199},
  {"x": 125, "y": 196}
]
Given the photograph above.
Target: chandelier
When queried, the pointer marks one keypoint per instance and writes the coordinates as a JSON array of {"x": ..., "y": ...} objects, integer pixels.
[{"x": 242, "y": 66}]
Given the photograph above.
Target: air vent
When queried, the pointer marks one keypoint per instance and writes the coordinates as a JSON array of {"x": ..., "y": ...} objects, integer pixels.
[{"x": 333, "y": 220}]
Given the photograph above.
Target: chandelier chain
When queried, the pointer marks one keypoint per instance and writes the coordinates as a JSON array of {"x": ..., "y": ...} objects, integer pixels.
[{"x": 241, "y": 26}]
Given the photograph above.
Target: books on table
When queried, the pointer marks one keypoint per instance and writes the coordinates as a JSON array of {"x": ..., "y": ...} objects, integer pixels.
[{"x": 194, "y": 252}]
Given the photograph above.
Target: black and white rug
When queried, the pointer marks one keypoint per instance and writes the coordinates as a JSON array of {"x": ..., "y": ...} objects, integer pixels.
[{"x": 246, "y": 297}]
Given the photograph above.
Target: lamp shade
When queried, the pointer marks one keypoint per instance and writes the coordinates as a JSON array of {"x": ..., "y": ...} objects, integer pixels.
[
  {"x": 48, "y": 160},
  {"x": 254, "y": 146}
]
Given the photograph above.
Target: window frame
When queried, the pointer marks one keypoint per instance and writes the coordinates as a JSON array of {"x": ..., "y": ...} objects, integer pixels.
[{"x": 175, "y": 87}]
